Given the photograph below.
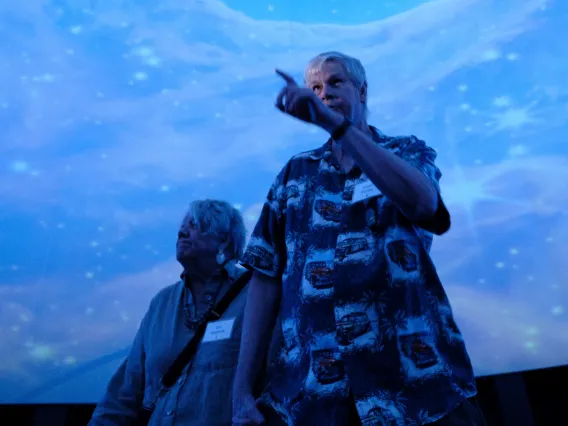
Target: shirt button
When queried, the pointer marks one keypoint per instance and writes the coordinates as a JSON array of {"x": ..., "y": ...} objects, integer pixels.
[
  {"x": 208, "y": 297},
  {"x": 169, "y": 412}
]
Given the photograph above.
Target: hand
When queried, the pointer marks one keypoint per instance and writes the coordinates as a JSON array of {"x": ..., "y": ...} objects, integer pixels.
[
  {"x": 245, "y": 411},
  {"x": 303, "y": 104}
]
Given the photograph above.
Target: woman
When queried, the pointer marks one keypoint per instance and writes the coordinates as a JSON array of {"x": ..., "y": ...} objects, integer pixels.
[{"x": 210, "y": 241}]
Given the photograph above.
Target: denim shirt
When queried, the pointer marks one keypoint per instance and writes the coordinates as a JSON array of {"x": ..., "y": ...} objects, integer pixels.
[
  {"x": 202, "y": 394},
  {"x": 363, "y": 313}
]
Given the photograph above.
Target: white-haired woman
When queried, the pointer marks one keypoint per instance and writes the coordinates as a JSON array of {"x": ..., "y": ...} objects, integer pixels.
[{"x": 209, "y": 242}]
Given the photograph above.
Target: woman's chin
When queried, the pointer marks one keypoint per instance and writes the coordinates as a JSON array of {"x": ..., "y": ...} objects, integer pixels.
[{"x": 185, "y": 256}]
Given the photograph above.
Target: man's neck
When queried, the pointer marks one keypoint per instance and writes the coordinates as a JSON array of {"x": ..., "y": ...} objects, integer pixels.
[{"x": 363, "y": 126}]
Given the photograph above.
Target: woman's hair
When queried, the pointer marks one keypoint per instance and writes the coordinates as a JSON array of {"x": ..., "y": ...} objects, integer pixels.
[{"x": 222, "y": 219}]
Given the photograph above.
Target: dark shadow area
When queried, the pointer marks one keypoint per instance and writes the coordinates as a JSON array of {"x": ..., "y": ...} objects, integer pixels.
[{"x": 544, "y": 389}]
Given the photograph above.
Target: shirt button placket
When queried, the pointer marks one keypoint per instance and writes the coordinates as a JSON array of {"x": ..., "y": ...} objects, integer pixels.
[{"x": 346, "y": 197}]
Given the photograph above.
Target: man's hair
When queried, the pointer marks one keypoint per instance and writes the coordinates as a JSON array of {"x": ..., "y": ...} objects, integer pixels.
[
  {"x": 353, "y": 67},
  {"x": 222, "y": 219}
]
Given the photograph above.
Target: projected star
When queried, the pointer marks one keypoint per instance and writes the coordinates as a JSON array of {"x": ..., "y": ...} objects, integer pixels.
[
  {"x": 491, "y": 55},
  {"x": 20, "y": 166},
  {"x": 517, "y": 150},
  {"x": 69, "y": 360},
  {"x": 467, "y": 193},
  {"x": 140, "y": 76},
  {"x": 501, "y": 101},
  {"x": 513, "y": 118},
  {"x": 41, "y": 352}
]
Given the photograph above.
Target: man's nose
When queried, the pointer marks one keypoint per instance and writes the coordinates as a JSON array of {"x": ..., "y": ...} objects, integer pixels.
[{"x": 326, "y": 93}]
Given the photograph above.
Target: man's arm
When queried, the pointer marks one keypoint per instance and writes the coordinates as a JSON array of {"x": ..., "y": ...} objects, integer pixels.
[
  {"x": 125, "y": 390},
  {"x": 408, "y": 188},
  {"x": 261, "y": 312},
  {"x": 266, "y": 254}
]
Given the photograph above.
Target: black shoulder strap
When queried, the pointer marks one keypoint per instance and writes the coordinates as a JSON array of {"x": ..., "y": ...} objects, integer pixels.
[{"x": 187, "y": 353}]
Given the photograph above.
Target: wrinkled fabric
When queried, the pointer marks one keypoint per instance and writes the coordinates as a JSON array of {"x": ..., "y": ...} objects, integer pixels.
[
  {"x": 363, "y": 310},
  {"x": 202, "y": 394}
]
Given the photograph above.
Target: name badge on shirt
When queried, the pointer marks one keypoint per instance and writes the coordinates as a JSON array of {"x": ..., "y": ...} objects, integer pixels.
[
  {"x": 364, "y": 190},
  {"x": 218, "y": 330}
]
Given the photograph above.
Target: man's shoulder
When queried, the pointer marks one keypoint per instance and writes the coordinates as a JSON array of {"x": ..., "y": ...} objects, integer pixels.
[
  {"x": 400, "y": 143},
  {"x": 310, "y": 155},
  {"x": 298, "y": 166}
]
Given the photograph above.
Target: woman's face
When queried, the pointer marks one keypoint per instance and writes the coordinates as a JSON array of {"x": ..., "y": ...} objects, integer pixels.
[{"x": 193, "y": 243}]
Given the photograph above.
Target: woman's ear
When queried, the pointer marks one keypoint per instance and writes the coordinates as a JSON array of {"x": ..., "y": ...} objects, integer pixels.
[
  {"x": 363, "y": 93},
  {"x": 224, "y": 245}
]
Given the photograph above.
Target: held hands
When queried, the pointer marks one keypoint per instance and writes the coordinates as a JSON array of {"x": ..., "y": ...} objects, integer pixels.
[
  {"x": 246, "y": 412},
  {"x": 303, "y": 104}
]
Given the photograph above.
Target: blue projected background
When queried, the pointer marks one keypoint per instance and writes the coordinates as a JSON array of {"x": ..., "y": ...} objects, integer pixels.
[{"x": 115, "y": 114}]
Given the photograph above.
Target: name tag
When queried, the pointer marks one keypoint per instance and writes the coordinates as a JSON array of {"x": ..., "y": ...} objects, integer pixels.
[
  {"x": 364, "y": 190},
  {"x": 218, "y": 330}
]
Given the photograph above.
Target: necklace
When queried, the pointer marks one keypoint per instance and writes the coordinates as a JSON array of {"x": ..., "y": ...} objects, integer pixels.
[{"x": 193, "y": 322}]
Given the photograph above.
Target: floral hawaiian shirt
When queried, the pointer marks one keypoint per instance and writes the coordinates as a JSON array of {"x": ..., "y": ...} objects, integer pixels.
[{"x": 364, "y": 315}]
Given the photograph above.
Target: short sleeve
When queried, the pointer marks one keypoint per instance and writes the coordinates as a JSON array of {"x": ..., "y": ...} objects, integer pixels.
[
  {"x": 266, "y": 250},
  {"x": 423, "y": 158}
]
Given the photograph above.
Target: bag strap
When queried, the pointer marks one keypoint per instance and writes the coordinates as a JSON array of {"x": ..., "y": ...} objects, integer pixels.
[{"x": 187, "y": 353}]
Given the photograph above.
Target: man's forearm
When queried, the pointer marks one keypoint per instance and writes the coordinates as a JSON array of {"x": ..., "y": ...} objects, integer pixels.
[
  {"x": 408, "y": 188},
  {"x": 260, "y": 316}
]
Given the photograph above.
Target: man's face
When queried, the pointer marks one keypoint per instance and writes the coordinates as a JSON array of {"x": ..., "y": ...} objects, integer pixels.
[
  {"x": 334, "y": 87},
  {"x": 193, "y": 242}
]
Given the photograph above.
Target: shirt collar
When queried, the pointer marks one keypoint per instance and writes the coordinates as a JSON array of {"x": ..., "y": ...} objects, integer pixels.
[
  {"x": 229, "y": 271},
  {"x": 324, "y": 152}
]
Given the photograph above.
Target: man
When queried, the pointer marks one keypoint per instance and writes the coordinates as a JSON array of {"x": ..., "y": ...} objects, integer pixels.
[{"x": 341, "y": 247}]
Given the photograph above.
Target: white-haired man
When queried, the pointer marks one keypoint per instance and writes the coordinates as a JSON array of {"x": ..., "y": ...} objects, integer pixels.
[{"x": 341, "y": 251}]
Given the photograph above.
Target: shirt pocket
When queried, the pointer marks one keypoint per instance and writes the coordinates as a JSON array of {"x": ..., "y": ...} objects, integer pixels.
[{"x": 220, "y": 354}]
